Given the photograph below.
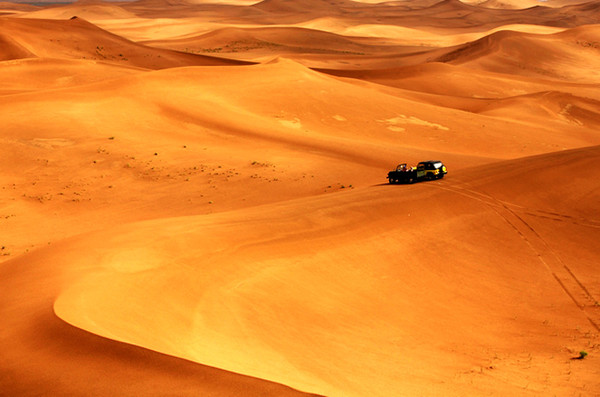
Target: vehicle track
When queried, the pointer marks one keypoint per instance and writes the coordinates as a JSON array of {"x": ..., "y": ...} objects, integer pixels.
[{"x": 566, "y": 278}]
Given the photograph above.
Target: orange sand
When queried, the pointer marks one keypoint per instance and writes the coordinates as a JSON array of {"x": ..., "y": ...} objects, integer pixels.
[{"x": 193, "y": 198}]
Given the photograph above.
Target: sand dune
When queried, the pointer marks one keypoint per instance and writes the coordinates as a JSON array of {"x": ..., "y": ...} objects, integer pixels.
[
  {"x": 10, "y": 8},
  {"x": 78, "y": 39},
  {"x": 47, "y": 356},
  {"x": 447, "y": 15},
  {"x": 308, "y": 6},
  {"x": 476, "y": 75},
  {"x": 458, "y": 83},
  {"x": 564, "y": 107},
  {"x": 277, "y": 41},
  {"x": 174, "y": 223},
  {"x": 229, "y": 267},
  {"x": 568, "y": 55},
  {"x": 12, "y": 49},
  {"x": 90, "y": 11},
  {"x": 401, "y": 35},
  {"x": 210, "y": 110},
  {"x": 444, "y": 15},
  {"x": 34, "y": 74},
  {"x": 522, "y": 4}
]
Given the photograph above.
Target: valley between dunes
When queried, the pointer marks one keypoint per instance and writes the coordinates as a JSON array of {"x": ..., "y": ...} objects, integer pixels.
[{"x": 193, "y": 198}]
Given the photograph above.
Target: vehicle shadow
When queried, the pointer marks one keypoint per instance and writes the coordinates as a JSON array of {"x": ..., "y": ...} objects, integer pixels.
[{"x": 394, "y": 184}]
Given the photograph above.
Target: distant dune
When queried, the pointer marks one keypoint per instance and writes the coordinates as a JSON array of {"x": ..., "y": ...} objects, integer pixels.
[
  {"x": 78, "y": 39},
  {"x": 193, "y": 198},
  {"x": 7, "y": 7},
  {"x": 92, "y": 10},
  {"x": 442, "y": 15},
  {"x": 568, "y": 55},
  {"x": 276, "y": 41}
]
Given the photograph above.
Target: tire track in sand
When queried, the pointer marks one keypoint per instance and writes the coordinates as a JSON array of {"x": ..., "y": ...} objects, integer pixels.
[{"x": 566, "y": 278}]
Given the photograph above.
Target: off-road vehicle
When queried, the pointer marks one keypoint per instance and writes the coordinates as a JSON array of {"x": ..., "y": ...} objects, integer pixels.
[{"x": 425, "y": 170}]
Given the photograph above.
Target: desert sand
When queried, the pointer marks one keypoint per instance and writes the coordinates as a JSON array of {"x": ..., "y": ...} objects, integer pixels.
[{"x": 194, "y": 198}]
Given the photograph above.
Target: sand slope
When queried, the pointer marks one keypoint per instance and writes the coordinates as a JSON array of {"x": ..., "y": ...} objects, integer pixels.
[
  {"x": 175, "y": 223},
  {"x": 92, "y": 10},
  {"x": 275, "y": 40},
  {"x": 34, "y": 74},
  {"x": 228, "y": 269},
  {"x": 78, "y": 39},
  {"x": 569, "y": 55},
  {"x": 46, "y": 356}
]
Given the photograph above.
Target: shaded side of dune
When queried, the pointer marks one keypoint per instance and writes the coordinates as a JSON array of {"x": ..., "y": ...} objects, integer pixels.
[{"x": 42, "y": 355}]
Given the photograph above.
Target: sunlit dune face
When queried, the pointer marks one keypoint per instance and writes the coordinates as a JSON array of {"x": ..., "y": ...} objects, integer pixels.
[{"x": 194, "y": 198}]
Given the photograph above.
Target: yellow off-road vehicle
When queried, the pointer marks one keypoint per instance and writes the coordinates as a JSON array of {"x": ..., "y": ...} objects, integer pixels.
[{"x": 431, "y": 170}]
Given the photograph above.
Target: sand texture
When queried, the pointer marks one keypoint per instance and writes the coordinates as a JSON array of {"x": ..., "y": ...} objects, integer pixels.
[{"x": 193, "y": 198}]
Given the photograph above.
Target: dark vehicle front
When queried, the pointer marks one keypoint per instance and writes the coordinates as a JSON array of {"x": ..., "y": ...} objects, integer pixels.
[{"x": 402, "y": 174}]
